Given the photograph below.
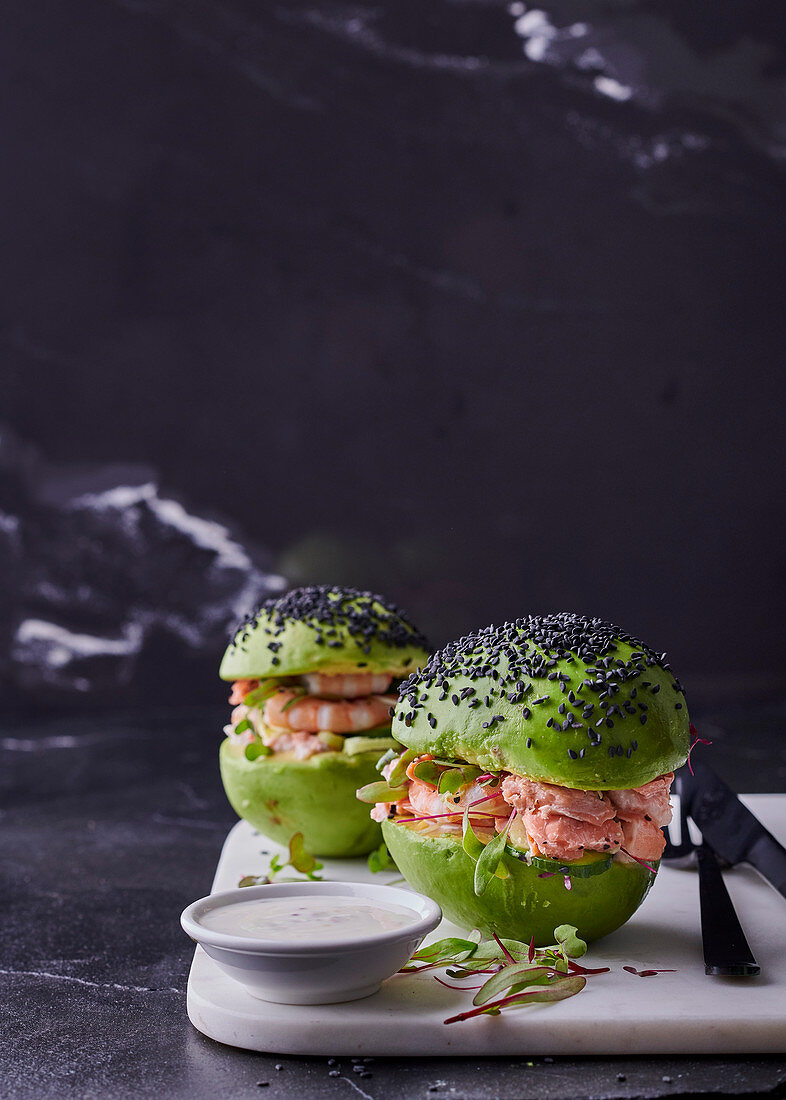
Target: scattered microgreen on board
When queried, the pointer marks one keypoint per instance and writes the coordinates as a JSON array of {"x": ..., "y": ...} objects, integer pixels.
[{"x": 299, "y": 860}]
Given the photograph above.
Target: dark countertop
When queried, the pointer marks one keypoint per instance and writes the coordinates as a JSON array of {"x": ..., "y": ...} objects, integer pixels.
[{"x": 112, "y": 823}]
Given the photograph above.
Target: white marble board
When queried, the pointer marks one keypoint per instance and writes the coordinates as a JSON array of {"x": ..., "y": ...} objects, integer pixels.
[{"x": 617, "y": 1013}]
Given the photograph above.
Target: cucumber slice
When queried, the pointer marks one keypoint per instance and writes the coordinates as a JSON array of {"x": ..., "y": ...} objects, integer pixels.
[
  {"x": 354, "y": 745},
  {"x": 591, "y": 863},
  {"x": 333, "y": 741}
]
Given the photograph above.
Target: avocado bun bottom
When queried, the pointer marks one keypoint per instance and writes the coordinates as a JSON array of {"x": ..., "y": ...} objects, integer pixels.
[
  {"x": 522, "y": 905},
  {"x": 315, "y": 797}
]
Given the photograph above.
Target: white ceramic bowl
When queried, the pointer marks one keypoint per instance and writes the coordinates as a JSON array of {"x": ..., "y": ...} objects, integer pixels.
[{"x": 305, "y": 972}]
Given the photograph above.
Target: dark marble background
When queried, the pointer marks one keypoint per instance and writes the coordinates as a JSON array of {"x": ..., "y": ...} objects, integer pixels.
[{"x": 475, "y": 304}]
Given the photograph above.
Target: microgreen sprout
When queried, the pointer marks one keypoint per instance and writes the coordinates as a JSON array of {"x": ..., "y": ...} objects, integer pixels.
[
  {"x": 299, "y": 860},
  {"x": 516, "y": 973},
  {"x": 262, "y": 693},
  {"x": 256, "y": 749},
  {"x": 381, "y": 860},
  {"x": 646, "y": 973},
  {"x": 381, "y": 792},
  {"x": 696, "y": 740},
  {"x": 642, "y": 862},
  {"x": 488, "y": 857},
  {"x": 299, "y": 693}
]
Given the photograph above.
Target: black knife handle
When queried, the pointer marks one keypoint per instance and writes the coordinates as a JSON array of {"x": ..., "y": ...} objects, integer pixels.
[{"x": 726, "y": 951}]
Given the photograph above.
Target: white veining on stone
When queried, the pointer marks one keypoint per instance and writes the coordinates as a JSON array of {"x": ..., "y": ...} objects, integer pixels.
[
  {"x": 356, "y": 1087},
  {"x": 61, "y": 741},
  {"x": 61, "y": 645},
  {"x": 91, "y": 985}
]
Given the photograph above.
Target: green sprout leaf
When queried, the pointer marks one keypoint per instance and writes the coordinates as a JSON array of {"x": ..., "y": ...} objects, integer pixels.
[
  {"x": 573, "y": 947},
  {"x": 261, "y": 694},
  {"x": 256, "y": 749},
  {"x": 450, "y": 781},
  {"x": 381, "y": 860},
  {"x": 299, "y": 860},
  {"x": 513, "y": 978},
  {"x": 427, "y": 771},
  {"x": 386, "y": 757},
  {"x": 381, "y": 792},
  {"x": 469, "y": 841},
  {"x": 255, "y": 880},
  {"x": 520, "y": 973},
  {"x": 242, "y": 726},
  {"x": 558, "y": 990},
  {"x": 445, "y": 952},
  {"x": 490, "y": 859},
  {"x": 302, "y": 860},
  {"x": 296, "y": 698},
  {"x": 399, "y": 772}
]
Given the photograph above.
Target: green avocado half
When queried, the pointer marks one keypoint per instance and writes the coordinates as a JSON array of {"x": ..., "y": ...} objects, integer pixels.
[
  {"x": 522, "y": 905},
  {"x": 324, "y": 628},
  {"x": 561, "y": 698},
  {"x": 315, "y": 797}
]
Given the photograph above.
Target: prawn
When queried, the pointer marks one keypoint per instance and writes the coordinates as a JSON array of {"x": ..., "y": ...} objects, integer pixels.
[
  {"x": 241, "y": 688},
  {"x": 347, "y": 687},
  {"x": 307, "y": 714}
]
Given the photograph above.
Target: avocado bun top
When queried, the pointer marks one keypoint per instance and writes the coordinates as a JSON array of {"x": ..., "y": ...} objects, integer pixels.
[
  {"x": 560, "y": 698},
  {"x": 324, "y": 628}
]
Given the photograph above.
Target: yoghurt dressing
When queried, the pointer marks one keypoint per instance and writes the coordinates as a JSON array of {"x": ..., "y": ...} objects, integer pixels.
[{"x": 336, "y": 917}]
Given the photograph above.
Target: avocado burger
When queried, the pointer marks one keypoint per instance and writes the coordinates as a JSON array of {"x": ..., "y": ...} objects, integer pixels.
[
  {"x": 312, "y": 675},
  {"x": 535, "y": 781}
]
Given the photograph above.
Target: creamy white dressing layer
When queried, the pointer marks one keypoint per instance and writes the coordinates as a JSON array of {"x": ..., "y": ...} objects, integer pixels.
[{"x": 337, "y": 917}]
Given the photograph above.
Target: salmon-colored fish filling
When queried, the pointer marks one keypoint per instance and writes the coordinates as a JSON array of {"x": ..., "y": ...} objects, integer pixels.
[
  {"x": 294, "y": 716},
  {"x": 561, "y": 823}
]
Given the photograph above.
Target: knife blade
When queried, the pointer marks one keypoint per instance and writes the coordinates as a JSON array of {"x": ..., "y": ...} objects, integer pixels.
[
  {"x": 734, "y": 833},
  {"x": 726, "y": 950}
]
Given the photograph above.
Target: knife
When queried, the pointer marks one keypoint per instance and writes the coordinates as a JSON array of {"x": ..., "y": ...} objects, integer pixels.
[
  {"x": 726, "y": 951},
  {"x": 731, "y": 830}
]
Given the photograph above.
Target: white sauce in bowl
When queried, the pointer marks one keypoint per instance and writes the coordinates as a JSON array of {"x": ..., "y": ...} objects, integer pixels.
[{"x": 308, "y": 917}]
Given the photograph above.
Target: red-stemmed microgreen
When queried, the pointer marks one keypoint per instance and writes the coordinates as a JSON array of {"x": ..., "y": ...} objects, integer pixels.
[
  {"x": 517, "y": 973},
  {"x": 503, "y": 948},
  {"x": 557, "y": 990},
  {"x": 577, "y": 968},
  {"x": 646, "y": 973},
  {"x": 460, "y": 988},
  {"x": 696, "y": 740},
  {"x": 642, "y": 862},
  {"x": 486, "y": 798}
]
